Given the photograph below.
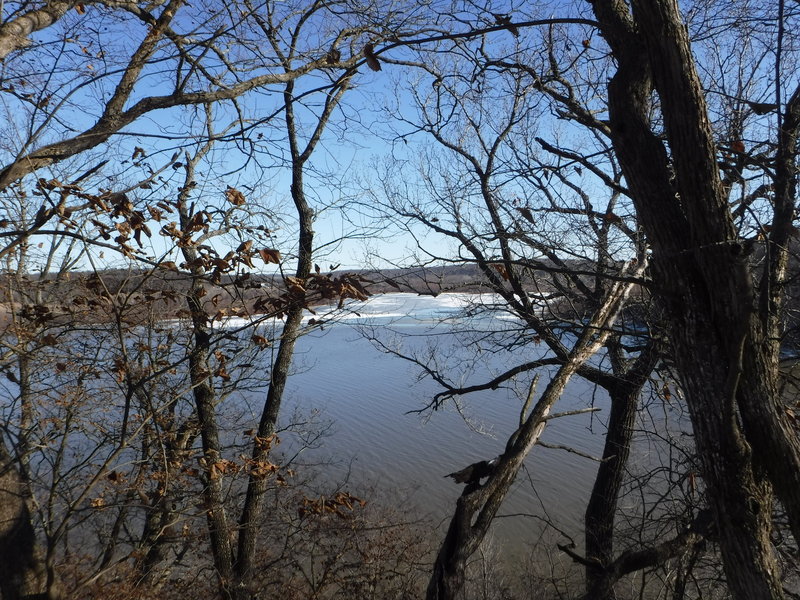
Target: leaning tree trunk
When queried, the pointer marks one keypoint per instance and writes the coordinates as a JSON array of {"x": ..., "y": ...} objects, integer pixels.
[
  {"x": 477, "y": 505},
  {"x": 250, "y": 518},
  {"x": 249, "y": 521}
]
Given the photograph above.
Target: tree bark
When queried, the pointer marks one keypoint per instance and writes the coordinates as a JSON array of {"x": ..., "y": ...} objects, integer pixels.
[
  {"x": 14, "y": 33},
  {"x": 200, "y": 373},
  {"x": 250, "y": 519},
  {"x": 602, "y": 507},
  {"x": 699, "y": 269},
  {"x": 24, "y": 574}
]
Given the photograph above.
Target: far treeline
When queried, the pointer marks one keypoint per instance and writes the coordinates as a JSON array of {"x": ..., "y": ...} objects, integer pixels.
[{"x": 621, "y": 177}]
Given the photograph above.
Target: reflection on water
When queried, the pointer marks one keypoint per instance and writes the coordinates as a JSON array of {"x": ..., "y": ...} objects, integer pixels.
[{"x": 368, "y": 394}]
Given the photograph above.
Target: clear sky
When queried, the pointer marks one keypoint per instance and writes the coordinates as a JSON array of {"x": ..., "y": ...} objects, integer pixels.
[{"x": 59, "y": 86}]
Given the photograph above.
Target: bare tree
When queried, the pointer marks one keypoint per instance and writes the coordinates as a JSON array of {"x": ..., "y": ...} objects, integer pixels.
[
  {"x": 516, "y": 210},
  {"x": 98, "y": 139},
  {"x": 703, "y": 269},
  {"x": 713, "y": 208}
]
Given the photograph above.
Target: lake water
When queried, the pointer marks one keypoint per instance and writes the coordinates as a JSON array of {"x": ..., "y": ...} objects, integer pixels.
[{"x": 369, "y": 396}]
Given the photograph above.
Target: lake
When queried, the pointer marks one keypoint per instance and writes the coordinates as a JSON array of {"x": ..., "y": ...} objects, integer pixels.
[{"x": 370, "y": 397}]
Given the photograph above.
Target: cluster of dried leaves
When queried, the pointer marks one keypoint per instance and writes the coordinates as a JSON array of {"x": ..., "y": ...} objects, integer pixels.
[{"x": 331, "y": 505}]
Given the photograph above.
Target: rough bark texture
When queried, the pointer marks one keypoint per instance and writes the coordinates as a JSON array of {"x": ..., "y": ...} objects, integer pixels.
[
  {"x": 205, "y": 400},
  {"x": 23, "y": 572},
  {"x": 602, "y": 506},
  {"x": 256, "y": 487},
  {"x": 776, "y": 446},
  {"x": 14, "y": 33},
  {"x": 700, "y": 269},
  {"x": 205, "y": 403}
]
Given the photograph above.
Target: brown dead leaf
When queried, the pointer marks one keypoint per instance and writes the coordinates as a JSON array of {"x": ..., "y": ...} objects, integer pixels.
[
  {"x": 502, "y": 270},
  {"x": 49, "y": 340},
  {"x": 295, "y": 285},
  {"x": 270, "y": 255},
  {"x": 260, "y": 341},
  {"x": 235, "y": 197},
  {"x": 372, "y": 60}
]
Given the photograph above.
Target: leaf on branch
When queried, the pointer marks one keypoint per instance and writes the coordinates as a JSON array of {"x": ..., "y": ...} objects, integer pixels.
[
  {"x": 526, "y": 212},
  {"x": 501, "y": 269},
  {"x": 372, "y": 60},
  {"x": 222, "y": 373},
  {"x": 260, "y": 341},
  {"x": 80, "y": 9},
  {"x": 270, "y": 255},
  {"x": 49, "y": 340},
  {"x": 295, "y": 285},
  {"x": 260, "y": 469},
  {"x": 220, "y": 467},
  {"x": 221, "y": 264},
  {"x": 266, "y": 442},
  {"x": 323, "y": 505},
  {"x": 235, "y": 197},
  {"x": 137, "y": 152},
  {"x": 197, "y": 222}
]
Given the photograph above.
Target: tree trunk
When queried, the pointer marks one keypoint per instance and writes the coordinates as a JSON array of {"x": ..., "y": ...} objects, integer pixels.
[
  {"x": 477, "y": 505},
  {"x": 23, "y": 571},
  {"x": 449, "y": 570},
  {"x": 602, "y": 506},
  {"x": 250, "y": 519},
  {"x": 699, "y": 269},
  {"x": 200, "y": 374}
]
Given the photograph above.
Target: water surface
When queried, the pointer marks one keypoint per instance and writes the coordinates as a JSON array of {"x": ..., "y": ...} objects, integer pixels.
[{"x": 370, "y": 396}]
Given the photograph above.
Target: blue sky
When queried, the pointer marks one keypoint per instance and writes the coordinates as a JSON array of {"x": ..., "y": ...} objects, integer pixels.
[{"x": 73, "y": 67}]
